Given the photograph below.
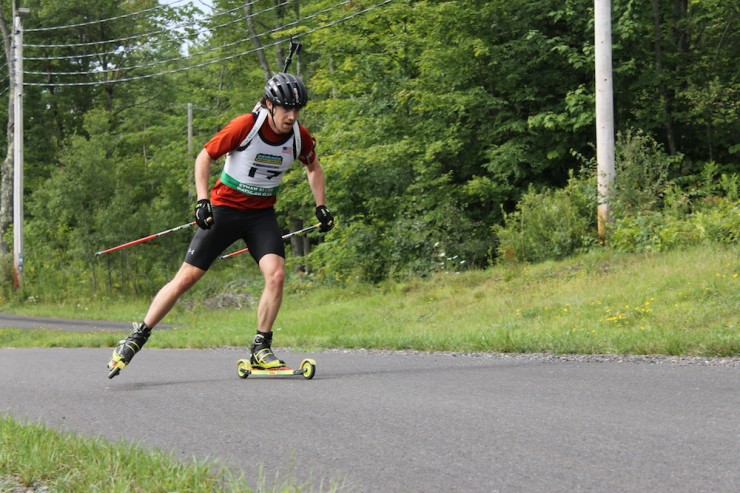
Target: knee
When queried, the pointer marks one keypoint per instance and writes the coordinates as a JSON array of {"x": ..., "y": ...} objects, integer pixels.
[
  {"x": 273, "y": 270},
  {"x": 275, "y": 277},
  {"x": 184, "y": 280},
  {"x": 183, "y": 283}
]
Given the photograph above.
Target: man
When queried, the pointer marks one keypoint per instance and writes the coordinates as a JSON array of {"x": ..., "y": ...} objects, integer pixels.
[{"x": 260, "y": 147}]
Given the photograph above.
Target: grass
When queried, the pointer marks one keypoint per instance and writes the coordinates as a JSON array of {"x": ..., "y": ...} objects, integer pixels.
[
  {"x": 33, "y": 456},
  {"x": 678, "y": 303}
]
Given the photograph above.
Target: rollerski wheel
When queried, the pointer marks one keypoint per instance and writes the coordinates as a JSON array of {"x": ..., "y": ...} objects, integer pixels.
[
  {"x": 307, "y": 370},
  {"x": 243, "y": 368},
  {"x": 308, "y": 366},
  {"x": 115, "y": 367},
  {"x": 115, "y": 371}
]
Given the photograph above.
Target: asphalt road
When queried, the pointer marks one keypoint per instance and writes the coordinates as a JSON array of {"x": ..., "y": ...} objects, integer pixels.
[
  {"x": 11, "y": 321},
  {"x": 404, "y": 422}
]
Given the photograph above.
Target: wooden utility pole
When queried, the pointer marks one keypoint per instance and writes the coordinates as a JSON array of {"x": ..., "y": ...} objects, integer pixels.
[{"x": 604, "y": 111}]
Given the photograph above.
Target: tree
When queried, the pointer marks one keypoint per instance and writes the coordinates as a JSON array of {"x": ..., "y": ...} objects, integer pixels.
[
  {"x": 6, "y": 167},
  {"x": 433, "y": 118}
]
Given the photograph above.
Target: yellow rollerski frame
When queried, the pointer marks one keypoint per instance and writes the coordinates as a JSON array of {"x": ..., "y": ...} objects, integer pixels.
[{"x": 307, "y": 369}]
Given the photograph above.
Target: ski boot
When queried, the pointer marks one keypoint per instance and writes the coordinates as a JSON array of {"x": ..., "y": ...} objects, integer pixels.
[
  {"x": 127, "y": 348},
  {"x": 262, "y": 355}
]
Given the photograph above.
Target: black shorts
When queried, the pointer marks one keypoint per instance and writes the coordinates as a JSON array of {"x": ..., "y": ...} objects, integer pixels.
[{"x": 258, "y": 228}]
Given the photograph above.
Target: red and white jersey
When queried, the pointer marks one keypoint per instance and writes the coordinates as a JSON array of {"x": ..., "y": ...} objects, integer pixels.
[{"x": 253, "y": 170}]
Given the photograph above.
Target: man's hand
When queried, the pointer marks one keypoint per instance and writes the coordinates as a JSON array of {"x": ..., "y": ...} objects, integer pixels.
[
  {"x": 325, "y": 218},
  {"x": 204, "y": 214}
]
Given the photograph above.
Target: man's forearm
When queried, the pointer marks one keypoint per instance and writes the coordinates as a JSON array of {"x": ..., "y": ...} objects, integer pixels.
[
  {"x": 316, "y": 182},
  {"x": 202, "y": 174}
]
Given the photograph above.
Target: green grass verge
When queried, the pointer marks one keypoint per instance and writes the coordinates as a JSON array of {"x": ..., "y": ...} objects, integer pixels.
[
  {"x": 36, "y": 458},
  {"x": 676, "y": 303}
]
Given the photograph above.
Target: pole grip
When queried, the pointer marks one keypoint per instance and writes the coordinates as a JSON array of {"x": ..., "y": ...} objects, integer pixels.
[{"x": 295, "y": 47}]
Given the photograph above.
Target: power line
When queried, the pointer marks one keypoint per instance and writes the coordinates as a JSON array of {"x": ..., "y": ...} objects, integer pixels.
[
  {"x": 212, "y": 62},
  {"x": 117, "y": 51},
  {"x": 133, "y": 14},
  {"x": 99, "y": 21},
  {"x": 120, "y": 50},
  {"x": 206, "y": 4},
  {"x": 142, "y": 35},
  {"x": 129, "y": 38},
  {"x": 160, "y": 62}
]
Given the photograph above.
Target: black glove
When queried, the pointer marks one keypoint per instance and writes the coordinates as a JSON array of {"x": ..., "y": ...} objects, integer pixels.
[
  {"x": 325, "y": 218},
  {"x": 204, "y": 214}
]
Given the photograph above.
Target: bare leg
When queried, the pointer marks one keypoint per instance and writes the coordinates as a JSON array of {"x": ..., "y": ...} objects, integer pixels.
[
  {"x": 273, "y": 270},
  {"x": 163, "y": 302}
]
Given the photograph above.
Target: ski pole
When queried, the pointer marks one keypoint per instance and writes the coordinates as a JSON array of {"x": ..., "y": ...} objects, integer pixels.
[
  {"x": 295, "y": 47},
  {"x": 304, "y": 230},
  {"x": 146, "y": 238}
]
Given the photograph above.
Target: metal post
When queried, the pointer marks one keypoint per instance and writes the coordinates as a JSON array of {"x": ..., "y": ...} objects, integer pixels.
[
  {"x": 604, "y": 110},
  {"x": 18, "y": 148}
]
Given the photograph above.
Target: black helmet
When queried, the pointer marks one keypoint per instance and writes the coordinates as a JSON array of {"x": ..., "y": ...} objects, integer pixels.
[{"x": 286, "y": 90}]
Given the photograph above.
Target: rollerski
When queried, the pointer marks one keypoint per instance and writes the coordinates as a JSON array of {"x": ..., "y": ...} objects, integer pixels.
[
  {"x": 127, "y": 348},
  {"x": 307, "y": 369},
  {"x": 264, "y": 362}
]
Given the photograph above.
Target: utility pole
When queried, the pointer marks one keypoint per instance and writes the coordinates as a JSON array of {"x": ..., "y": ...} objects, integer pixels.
[
  {"x": 191, "y": 188},
  {"x": 190, "y": 130},
  {"x": 18, "y": 146},
  {"x": 604, "y": 111}
]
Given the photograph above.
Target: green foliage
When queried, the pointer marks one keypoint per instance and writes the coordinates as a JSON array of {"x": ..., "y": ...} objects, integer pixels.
[
  {"x": 361, "y": 257},
  {"x": 711, "y": 220},
  {"x": 67, "y": 223},
  {"x": 550, "y": 224},
  {"x": 642, "y": 171},
  {"x": 652, "y": 213}
]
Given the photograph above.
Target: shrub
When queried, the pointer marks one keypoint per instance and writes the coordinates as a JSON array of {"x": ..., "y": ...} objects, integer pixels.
[
  {"x": 652, "y": 213},
  {"x": 641, "y": 174},
  {"x": 550, "y": 224}
]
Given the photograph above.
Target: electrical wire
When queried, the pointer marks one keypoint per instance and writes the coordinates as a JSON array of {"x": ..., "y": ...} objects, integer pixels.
[
  {"x": 212, "y": 62},
  {"x": 120, "y": 51},
  {"x": 117, "y": 51},
  {"x": 132, "y": 14},
  {"x": 95, "y": 22},
  {"x": 206, "y": 5},
  {"x": 160, "y": 62},
  {"x": 146, "y": 35},
  {"x": 100, "y": 21}
]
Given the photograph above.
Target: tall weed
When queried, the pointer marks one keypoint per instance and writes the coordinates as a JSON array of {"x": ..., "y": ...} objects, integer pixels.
[
  {"x": 653, "y": 213},
  {"x": 642, "y": 171},
  {"x": 550, "y": 224}
]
